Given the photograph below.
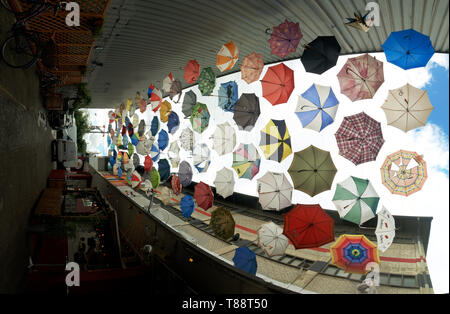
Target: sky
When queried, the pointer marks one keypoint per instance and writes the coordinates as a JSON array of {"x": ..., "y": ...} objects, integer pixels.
[{"x": 431, "y": 141}]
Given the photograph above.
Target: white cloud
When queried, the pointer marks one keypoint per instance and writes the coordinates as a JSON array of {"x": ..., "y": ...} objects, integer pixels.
[{"x": 420, "y": 77}]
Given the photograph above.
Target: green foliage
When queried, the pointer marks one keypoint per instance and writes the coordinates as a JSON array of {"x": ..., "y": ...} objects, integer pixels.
[
  {"x": 82, "y": 121},
  {"x": 83, "y": 99}
]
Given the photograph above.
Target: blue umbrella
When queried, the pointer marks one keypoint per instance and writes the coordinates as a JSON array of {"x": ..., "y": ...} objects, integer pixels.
[
  {"x": 228, "y": 95},
  {"x": 173, "y": 123},
  {"x": 408, "y": 49},
  {"x": 108, "y": 140},
  {"x": 154, "y": 153},
  {"x": 245, "y": 260},
  {"x": 134, "y": 139},
  {"x": 112, "y": 161},
  {"x": 154, "y": 128},
  {"x": 119, "y": 171},
  {"x": 187, "y": 206},
  {"x": 164, "y": 169},
  {"x": 163, "y": 140},
  {"x": 125, "y": 140}
]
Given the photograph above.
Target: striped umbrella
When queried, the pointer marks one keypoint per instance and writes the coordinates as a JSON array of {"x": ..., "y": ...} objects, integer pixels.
[
  {"x": 251, "y": 67},
  {"x": 156, "y": 99},
  {"x": 135, "y": 179},
  {"x": 224, "y": 182},
  {"x": 200, "y": 117},
  {"x": 201, "y": 157},
  {"x": 224, "y": 139},
  {"x": 246, "y": 161},
  {"x": 404, "y": 172},
  {"x": 154, "y": 152},
  {"x": 227, "y": 56},
  {"x": 271, "y": 239},
  {"x": 275, "y": 191},
  {"x": 275, "y": 140}
]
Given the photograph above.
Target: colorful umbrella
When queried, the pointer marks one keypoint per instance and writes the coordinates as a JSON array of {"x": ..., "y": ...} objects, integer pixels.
[
  {"x": 155, "y": 178},
  {"x": 176, "y": 185},
  {"x": 135, "y": 179},
  {"x": 154, "y": 153},
  {"x": 404, "y": 172},
  {"x": 187, "y": 139},
  {"x": 167, "y": 82},
  {"x": 174, "y": 154},
  {"x": 155, "y": 99},
  {"x": 275, "y": 191},
  {"x": 228, "y": 95},
  {"x": 227, "y": 56},
  {"x": 285, "y": 38},
  {"x": 201, "y": 157},
  {"x": 200, "y": 117},
  {"x": 251, "y": 67},
  {"x": 165, "y": 111},
  {"x": 150, "y": 90},
  {"x": 245, "y": 259},
  {"x": 278, "y": 84},
  {"x": 189, "y": 101},
  {"x": 175, "y": 89},
  {"x": 408, "y": 49},
  {"x": 360, "y": 77},
  {"x": 352, "y": 253},
  {"x": 407, "y": 107},
  {"x": 206, "y": 81},
  {"x": 317, "y": 107},
  {"x": 185, "y": 173},
  {"x": 173, "y": 123},
  {"x": 356, "y": 200},
  {"x": 275, "y": 140},
  {"x": 321, "y": 54},
  {"x": 385, "y": 230},
  {"x": 203, "y": 195},
  {"x": 163, "y": 140},
  {"x": 154, "y": 128},
  {"x": 148, "y": 163},
  {"x": 359, "y": 138},
  {"x": 271, "y": 239},
  {"x": 191, "y": 71},
  {"x": 187, "y": 206},
  {"x": 222, "y": 223},
  {"x": 246, "y": 161},
  {"x": 308, "y": 226},
  {"x": 164, "y": 169},
  {"x": 224, "y": 139},
  {"x": 224, "y": 182},
  {"x": 246, "y": 111},
  {"x": 312, "y": 170}
]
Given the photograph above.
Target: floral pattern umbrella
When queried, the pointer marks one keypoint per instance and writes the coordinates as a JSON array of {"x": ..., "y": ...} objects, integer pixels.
[
  {"x": 285, "y": 38},
  {"x": 206, "y": 81},
  {"x": 200, "y": 117},
  {"x": 246, "y": 161},
  {"x": 251, "y": 67}
]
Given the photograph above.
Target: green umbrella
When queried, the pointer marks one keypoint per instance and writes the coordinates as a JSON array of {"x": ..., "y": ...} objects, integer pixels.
[
  {"x": 155, "y": 179},
  {"x": 200, "y": 117},
  {"x": 312, "y": 170},
  {"x": 222, "y": 223},
  {"x": 206, "y": 81},
  {"x": 130, "y": 149}
]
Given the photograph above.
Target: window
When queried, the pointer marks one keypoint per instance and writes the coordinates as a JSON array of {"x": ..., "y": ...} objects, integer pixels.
[
  {"x": 395, "y": 280},
  {"x": 409, "y": 281}
]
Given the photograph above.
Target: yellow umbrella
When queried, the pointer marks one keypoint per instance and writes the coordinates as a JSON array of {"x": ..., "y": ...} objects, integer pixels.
[{"x": 165, "y": 111}]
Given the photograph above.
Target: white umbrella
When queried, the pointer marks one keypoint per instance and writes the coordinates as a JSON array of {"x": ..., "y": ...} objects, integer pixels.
[
  {"x": 224, "y": 139},
  {"x": 201, "y": 157},
  {"x": 224, "y": 182},
  {"x": 187, "y": 139},
  {"x": 144, "y": 146},
  {"x": 407, "y": 108},
  {"x": 385, "y": 231},
  {"x": 167, "y": 83},
  {"x": 272, "y": 240},
  {"x": 275, "y": 191},
  {"x": 174, "y": 154}
]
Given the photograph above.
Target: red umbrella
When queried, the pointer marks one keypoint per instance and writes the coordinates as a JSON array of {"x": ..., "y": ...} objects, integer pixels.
[
  {"x": 191, "y": 71},
  {"x": 308, "y": 226},
  {"x": 203, "y": 195},
  {"x": 285, "y": 38},
  {"x": 176, "y": 185},
  {"x": 148, "y": 163},
  {"x": 278, "y": 84}
]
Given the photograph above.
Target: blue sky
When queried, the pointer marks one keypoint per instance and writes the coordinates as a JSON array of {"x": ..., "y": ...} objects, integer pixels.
[{"x": 438, "y": 93}]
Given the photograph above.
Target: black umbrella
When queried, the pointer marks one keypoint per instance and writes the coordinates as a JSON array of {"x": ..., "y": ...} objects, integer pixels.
[
  {"x": 185, "y": 173},
  {"x": 175, "y": 89},
  {"x": 321, "y": 54},
  {"x": 189, "y": 101},
  {"x": 246, "y": 111}
]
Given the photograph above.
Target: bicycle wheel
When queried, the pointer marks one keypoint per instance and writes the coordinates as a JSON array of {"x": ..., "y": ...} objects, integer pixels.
[{"x": 17, "y": 52}]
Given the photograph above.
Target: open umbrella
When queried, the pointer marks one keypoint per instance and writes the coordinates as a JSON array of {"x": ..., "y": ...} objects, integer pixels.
[
  {"x": 144, "y": 146},
  {"x": 176, "y": 185},
  {"x": 164, "y": 169},
  {"x": 285, "y": 38},
  {"x": 187, "y": 206},
  {"x": 135, "y": 179},
  {"x": 321, "y": 54},
  {"x": 407, "y": 107},
  {"x": 201, "y": 157},
  {"x": 356, "y": 200},
  {"x": 185, "y": 173},
  {"x": 245, "y": 259},
  {"x": 408, "y": 49},
  {"x": 404, "y": 172},
  {"x": 222, "y": 223},
  {"x": 224, "y": 182},
  {"x": 189, "y": 101},
  {"x": 206, "y": 81},
  {"x": 271, "y": 239},
  {"x": 352, "y": 253},
  {"x": 141, "y": 128},
  {"x": 187, "y": 139},
  {"x": 251, "y": 67},
  {"x": 200, "y": 117},
  {"x": 155, "y": 178},
  {"x": 191, "y": 71},
  {"x": 317, "y": 107},
  {"x": 155, "y": 125},
  {"x": 150, "y": 90},
  {"x": 203, "y": 195},
  {"x": 148, "y": 163},
  {"x": 130, "y": 149},
  {"x": 167, "y": 82},
  {"x": 312, "y": 170},
  {"x": 278, "y": 84},
  {"x": 173, "y": 123},
  {"x": 246, "y": 161},
  {"x": 275, "y": 140},
  {"x": 275, "y": 191},
  {"x": 156, "y": 99},
  {"x": 359, "y": 138},
  {"x": 166, "y": 195},
  {"x": 224, "y": 138},
  {"x": 246, "y": 111},
  {"x": 164, "y": 111},
  {"x": 227, "y": 56},
  {"x": 154, "y": 152},
  {"x": 360, "y": 77},
  {"x": 175, "y": 89},
  {"x": 174, "y": 154},
  {"x": 228, "y": 95},
  {"x": 385, "y": 230},
  {"x": 308, "y": 226},
  {"x": 142, "y": 105},
  {"x": 163, "y": 140}
]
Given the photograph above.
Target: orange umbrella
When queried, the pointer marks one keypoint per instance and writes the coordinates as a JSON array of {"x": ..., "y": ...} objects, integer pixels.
[
  {"x": 278, "y": 84},
  {"x": 251, "y": 67},
  {"x": 191, "y": 71},
  {"x": 227, "y": 56},
  {"x": 165, "y": 111}
]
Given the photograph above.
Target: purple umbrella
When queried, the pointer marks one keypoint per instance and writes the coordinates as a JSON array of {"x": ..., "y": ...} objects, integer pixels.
[{"x": 285, "y": 38}]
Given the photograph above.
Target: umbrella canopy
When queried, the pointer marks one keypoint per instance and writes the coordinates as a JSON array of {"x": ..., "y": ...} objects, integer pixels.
[
  {"x": 312, "y": 170},
  {"x": 130, "y": 149},
  {"x": 251, "y": 67},
  {"x": 136, "y": 161},
  {"x": 167, "y": 82},
  {"x": 352, "y": 253},
  {"x": 201, "y": 157},
  {"x": 155, "y": 178},
  {"x": 155, "y": 125},
  {"x": 164, "y": 111},
  {"x": 191, "y": 71},
  {"x": 222, "y": 223},
  {"x": 317, "y": 107},
  {"x": 246, "y": 111},
  {"x": 356, "y": 200},
  {"x": 275, "y": 191},
  {"x": 385, "y": 230},
  {"x": 308, "y": 226},
  {"x": 185, "y": 173},
  {"x": 200, "y": 117},
  {"x": 408, "y": 49},
  {"x": 407, "y": 107},
  {"x": 360, "y": 77},
  {"x": 135, "y": 179},
  {"x": 206, "y": 81},
  {"x": 224, "y": 139},
  {"x": 189, "y": 101},
  {"x": 187, "y": 139},
  {"x": 227, "y": 56},
  {"x": 154, "y": 153},
  {"x": 224, "y": 182},
  {"x": 174, "y": 154},
  {"x": 173, "y": 123},
  {"x": 275, "y": 140},
  {"x": 278, "y": 84},
  {"x": 271, "y": 239},
  {"x": 285, "y": 38},
  {"x": 359, "y": 138},
  {"x": 141, "y": 128},
  {"x": 175, "y": 89},
  {"x": 228, "y": 95},
  {"x": 321, "y": 54},
  {"x": 150, "y": 90},
  {"x": 246, "y": 161},
  {"x": 245, "y": 259},
  {"x": 163, "y": 140},
  {"x": 176, "y": 185},
  {"x": 155, "y": 99},
  {"x": 203, "y": 195},
  {"x": 166, "y": 195},
  {"x": 164, "y": 169},
  {"x": 148, "y": 163},
  {"x": 404, "y": 172},
  {"x": 187, "y": 206},
  {"x": 142, "y": 105},
  {"x": 144, "y": 146}
]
